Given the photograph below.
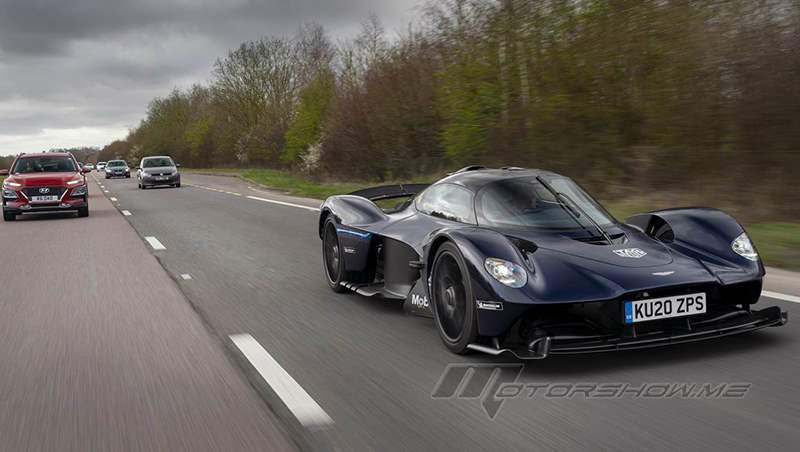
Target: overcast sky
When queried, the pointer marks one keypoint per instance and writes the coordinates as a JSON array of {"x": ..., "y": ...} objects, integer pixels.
[{"x": 81, "y": 72}]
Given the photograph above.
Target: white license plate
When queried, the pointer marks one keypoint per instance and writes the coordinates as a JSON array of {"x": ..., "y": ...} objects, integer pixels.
[
  {"x": 44, "y": 198},
  {"x": 162, "y": 178},
  {"x": 664, "y": 308}
]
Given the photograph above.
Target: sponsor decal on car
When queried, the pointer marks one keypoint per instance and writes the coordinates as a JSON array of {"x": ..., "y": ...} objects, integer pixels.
[{"x": 420, "y": 301}]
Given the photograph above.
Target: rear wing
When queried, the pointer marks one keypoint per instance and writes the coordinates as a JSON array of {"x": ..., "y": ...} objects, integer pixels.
[{"x": 390, "y": 191}]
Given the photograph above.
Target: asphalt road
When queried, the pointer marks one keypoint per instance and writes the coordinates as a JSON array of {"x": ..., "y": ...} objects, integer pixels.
[
  {"x": 100, "y": 350},
  {"x": 255, "y": 269}
]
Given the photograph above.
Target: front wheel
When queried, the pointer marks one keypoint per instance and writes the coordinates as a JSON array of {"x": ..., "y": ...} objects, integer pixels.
[
  {"x": 83, "y": 212},
  {"x": 453, "y": 302},
  {"x": 332, "y": 258},
  {"x": 8, "y": 216}
]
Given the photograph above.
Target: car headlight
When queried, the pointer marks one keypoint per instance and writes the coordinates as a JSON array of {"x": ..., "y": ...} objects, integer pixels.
[
  {"x": 80, "y": 191},
  {"x": 11, "y": 184},
  {"x": 9, "y": 194},
  {"x": 506, "y": 272},
  {"x": 744, "y": 247}
]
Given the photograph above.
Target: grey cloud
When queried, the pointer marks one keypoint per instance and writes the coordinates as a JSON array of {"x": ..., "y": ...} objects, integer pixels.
[{"x": 97, "y": 63}]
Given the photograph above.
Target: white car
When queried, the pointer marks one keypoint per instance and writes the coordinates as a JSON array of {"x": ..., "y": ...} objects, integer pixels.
[{"x": 101, "y": 166}]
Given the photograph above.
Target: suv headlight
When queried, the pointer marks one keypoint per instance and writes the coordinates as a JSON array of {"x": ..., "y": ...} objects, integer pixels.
[
  {"x": 506, "y": 272},
  {"x": 744, "y": 247},
  {"x": 79, "y": 191}
]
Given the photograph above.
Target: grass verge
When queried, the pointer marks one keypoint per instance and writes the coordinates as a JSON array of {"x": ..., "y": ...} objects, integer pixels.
[
  {"x": 291, "y": 183},
  {"x": 778, "y": 243}
]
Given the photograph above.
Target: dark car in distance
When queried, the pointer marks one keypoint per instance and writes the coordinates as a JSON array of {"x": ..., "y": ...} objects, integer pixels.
[
  {"x": 117, "y": 168},
  {"x": 523, "y": 261}
]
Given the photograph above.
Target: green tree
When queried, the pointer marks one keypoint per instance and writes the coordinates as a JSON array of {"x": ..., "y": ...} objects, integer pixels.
[{"x": 306, "y": 126}]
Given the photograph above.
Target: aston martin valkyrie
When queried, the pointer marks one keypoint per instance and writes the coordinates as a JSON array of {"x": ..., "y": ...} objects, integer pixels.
[{"x": 526, "y": 262}]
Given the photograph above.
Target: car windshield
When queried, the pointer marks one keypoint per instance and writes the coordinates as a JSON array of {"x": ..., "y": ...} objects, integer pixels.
[
  {"x": 117, "y": 163},
  {"x": 526, "y": 202},
  {"x": 156, "y": 162},
  {"x": 45, "y": 164}
]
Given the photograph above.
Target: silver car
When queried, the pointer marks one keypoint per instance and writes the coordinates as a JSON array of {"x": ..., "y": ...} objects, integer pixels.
[{"x": 158, "y": 170}]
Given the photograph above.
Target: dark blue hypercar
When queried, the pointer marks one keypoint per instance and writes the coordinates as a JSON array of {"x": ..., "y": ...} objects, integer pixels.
[{"x": 526, "y": 262}]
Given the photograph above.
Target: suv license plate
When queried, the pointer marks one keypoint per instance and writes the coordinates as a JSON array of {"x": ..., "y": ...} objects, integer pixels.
[
  {"x": 664, "y": 308},
  {"x": 44, "y": 198}
]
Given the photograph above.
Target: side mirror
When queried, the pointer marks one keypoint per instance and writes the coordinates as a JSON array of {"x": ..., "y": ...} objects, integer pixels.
[
  {"x": 85, "y": 170},
  {"x": 177, "y": 165},
  {"x": 3, "y": 172}
]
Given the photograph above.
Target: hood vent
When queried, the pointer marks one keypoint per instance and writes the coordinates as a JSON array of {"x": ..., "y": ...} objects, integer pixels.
[
  {"x": 526, "y": 248},
  {"x": 616, "y": 239}
]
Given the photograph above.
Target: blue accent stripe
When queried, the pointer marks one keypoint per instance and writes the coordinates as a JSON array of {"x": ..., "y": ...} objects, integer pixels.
[
  {"x": 363, "y": 235},
  {"x": 628, "y": 312}
]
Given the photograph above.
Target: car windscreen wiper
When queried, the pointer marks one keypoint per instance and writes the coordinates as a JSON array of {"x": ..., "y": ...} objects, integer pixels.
[{"x": 560, "y": 197}]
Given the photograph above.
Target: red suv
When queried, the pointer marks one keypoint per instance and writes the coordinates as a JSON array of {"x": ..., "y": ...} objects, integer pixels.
[{"x": 50, "y": 182}]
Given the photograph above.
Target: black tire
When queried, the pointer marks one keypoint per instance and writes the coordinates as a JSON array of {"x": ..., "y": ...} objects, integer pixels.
[
  {"x": 8, "y": 216},
  {"x": 332, "y": 262},
  {"x": 83, "y": 212},
  {"x": 178, "y": 185},
  {"x": 127, "y": 176},
  {"x": 452, "y": 299}
]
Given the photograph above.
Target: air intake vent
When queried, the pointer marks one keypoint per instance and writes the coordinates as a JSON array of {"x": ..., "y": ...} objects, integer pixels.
[{"x": 469, "y": 168}]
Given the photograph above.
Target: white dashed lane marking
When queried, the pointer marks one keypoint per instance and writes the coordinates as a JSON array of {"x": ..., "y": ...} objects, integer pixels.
[
  {"x": 297, "y": 400},
  {"x": 281, "y": 203},
  {"x": 155, "y": 243},
  {"x": 127, "y": 213},
  {"x": 112, "y": 198},
  {"x": 780, "y": 296},
  {"x": 186, "y": 276}
]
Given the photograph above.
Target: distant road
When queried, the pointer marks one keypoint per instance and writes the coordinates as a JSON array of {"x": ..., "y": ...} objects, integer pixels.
[
  {"x": 100, "y": 350},
  {"x": 254, "y": 261}
]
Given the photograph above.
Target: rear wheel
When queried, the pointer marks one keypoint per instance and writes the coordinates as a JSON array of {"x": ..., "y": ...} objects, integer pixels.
[
  {"x": 332, "y": 257},
  {"x": 453, "y": 301},
  {"x": 8, "y": 216}
]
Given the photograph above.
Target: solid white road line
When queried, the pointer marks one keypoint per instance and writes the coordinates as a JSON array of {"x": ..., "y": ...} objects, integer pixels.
[
  {"x": 127, "y": 213},
  {"x": 186, "y": 276},
  {"x": 155, "y": 243},
  {"x": 304, "y": 408},
  {"x": 314, "y": 209},
  {"x": 780, "y": 296}
]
